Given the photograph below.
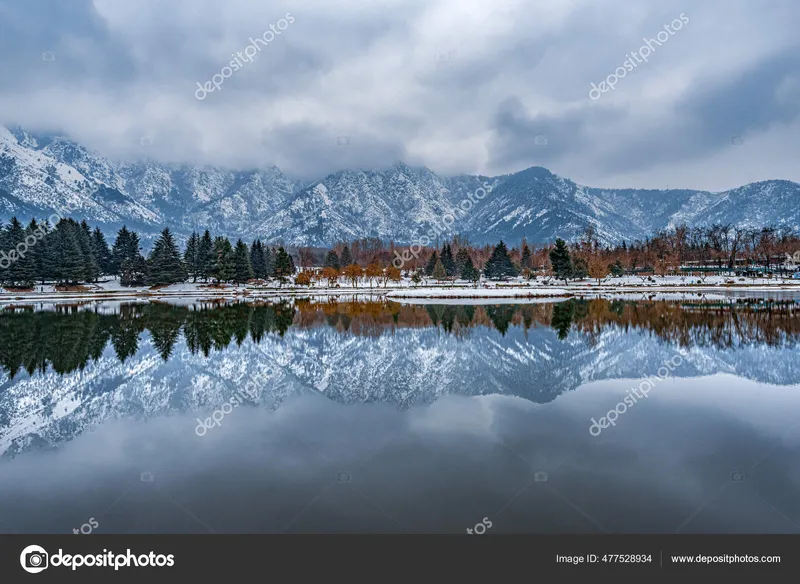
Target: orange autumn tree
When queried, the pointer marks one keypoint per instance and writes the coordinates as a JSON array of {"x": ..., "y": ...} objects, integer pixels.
[
  {"x": 353, "y": 272},
  {"x": 373, "y": 272},
  {"x": 391, "y": 273},
  {"x": 331, "y": 275},
  {"x": 598, "y": 267}
]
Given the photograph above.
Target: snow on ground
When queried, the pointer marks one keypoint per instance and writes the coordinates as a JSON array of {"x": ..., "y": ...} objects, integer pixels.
[
  {"x": 515, "y": 288},
  {"x": 477, "y": 292}
]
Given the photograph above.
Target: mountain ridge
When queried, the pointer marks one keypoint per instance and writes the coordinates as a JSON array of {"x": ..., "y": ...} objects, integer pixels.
[{"x": 41, "y": 174}]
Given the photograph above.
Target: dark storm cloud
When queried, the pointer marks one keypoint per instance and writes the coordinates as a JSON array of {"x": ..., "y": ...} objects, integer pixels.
[{"x": 375, "y": 72}]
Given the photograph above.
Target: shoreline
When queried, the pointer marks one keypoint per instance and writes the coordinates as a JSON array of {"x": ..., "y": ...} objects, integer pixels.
[{"x": 398, "y": 293}]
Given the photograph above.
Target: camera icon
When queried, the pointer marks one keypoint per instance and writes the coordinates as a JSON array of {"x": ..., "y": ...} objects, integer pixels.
[
  {"x": 737, "y": 140},
  {"x": 540, "y": 140},
  {"x": 737, "y": 477},
  {"x": 343, "y": 477},
  {"x": 34, "y": 559},
  {"x": 540, "y": 477},
  {"x": 146, "y": 141},
  {"x": 48, "y": 56},
  {"x": 343, "y": 141},
  {"x": 444, "y": 58},
  {"x": 147, "y": 477}
]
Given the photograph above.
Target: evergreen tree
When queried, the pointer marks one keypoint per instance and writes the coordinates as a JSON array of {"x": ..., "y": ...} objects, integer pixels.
[
  {"x": 5, "y": 262},
  {"x": 284, "y": 266},
  {"x": 461, "y": 260},
  {"x": 164, "y": 265},
  {"x": 258, "y": 260},
  {"x": 580, "y": 268},
  {"x": 499, "y": 265},
  {"x": 269, "y": 261},
  {"x": 91, "y": 269},
  {"x": 118, "y": 251},
  {"x": 21, "y": 267},
  {"x": 242, "y": 270},
  {"x": 561, "y": 260},
  {"x": 439, "y": 271},
  {"x": 207, "y": 258},
  {"x": 447, "y": 260},
  {"x": 469, "y": 272},
  {"x": 525, "y": 260},
  {"x": 346, "y": 258},
  {"x": 126, "y": 258},
  {"x": 48, "y": 255},
  {"x": 431, "y": 263},
  {"x": 617, "y": 270},
  {"x": 223, "y": 268},
  {"x": 332, "y": 260},
  {"x": 102, "y": 253},
  {"x": 191, "y": 257},
  {"x": 70, "y": 263}
]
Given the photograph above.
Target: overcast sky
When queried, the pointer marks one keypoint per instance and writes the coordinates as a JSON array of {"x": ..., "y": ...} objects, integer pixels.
[{"x": 460, "y": 86}]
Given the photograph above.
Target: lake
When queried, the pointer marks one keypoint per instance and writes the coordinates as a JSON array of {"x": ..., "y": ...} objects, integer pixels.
[{"x": 656, "y": 415}]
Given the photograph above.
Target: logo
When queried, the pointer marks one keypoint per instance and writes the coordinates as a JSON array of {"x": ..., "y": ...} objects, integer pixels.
[
  {"x": 480, "y": 528},
  {"x": 87, "y": 528},
  {"x": 33, "y": 559}
]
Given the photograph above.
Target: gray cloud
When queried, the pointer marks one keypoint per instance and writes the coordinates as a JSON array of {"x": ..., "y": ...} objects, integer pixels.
[{"x": 376, "y": 72}]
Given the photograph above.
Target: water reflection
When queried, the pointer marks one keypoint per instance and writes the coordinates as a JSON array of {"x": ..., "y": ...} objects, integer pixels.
[
  {"x": 437, "y": 414},
  {"x": 67, "y": 338}
]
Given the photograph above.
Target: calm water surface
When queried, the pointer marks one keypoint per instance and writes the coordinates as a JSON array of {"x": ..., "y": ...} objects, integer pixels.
[{"x": 325, "y": 416}]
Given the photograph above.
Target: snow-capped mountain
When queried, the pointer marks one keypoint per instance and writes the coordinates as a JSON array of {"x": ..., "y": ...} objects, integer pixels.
[{"x": 42, "y": 174}]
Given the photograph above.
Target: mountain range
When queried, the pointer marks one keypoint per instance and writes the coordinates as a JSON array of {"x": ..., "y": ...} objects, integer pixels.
[{"x": 41, "y": 174}]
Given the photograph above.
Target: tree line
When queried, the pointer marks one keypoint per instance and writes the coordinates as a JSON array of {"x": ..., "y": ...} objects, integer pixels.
[{"x": 70, "y": 253}]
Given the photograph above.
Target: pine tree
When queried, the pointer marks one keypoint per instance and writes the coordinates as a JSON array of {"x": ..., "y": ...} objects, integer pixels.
[
  {"x": 207, "y": 258},
  {"x": 126, "y": 258},
  {"x": 269, "y": 261},
  {"x": 21, "y": 270},
  {"x": 223, "y": 268},
  {"x": 431, "y": 263},
  {"x": 447, "y": 260},
  {"x": 284, "y": 266},
  {"x": 461, "y": 260},
  {"x": 525, "y": 260},
  {"x": 91, "y": 269},
  {"x": 346, "y": 259},
  {"x": 258, "y": 260},
  {"x": 165, "y": 265},
  {"x": 5, "y": 262},
  {"x": 48, "y": 257},
  {"x": 499, "y": 265},
  {"x": 439, "y": 272},
  {"x": 117, "y": 251},
  {"x": 560, "y": 258},
  {"x": 101, "y": 251},
  {"x": 332, "y": 260},
  {"x": 70, "y": 262},
  {"x": 469, "y": 272},
  {"x": 242, "y": 270},
  {"x": 191, "y": 257}
]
